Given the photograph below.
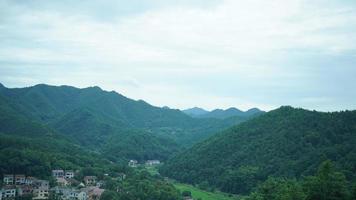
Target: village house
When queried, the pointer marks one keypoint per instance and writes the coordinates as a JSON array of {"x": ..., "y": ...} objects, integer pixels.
[
  {"x": 8, "y": 179},
  {"x": 152, "y": 162},
  {"x": 61, "y": 181},
  {"x": 8, "y": 191},
  {"x": 71, "y": 194},
  {"x": 69, "y": 174},
  {"x": 63, "y": 193},
  {"x": 133, "y": 163},
  {"x": 25, "y": 190},
  {"x": 82, "y": 195},
  {"x": 72, "y": 182},
  {"x": 58, "y": 173},
  {"x": 20, "y": 179},
  {"x": 90, "y": 180},
  {"x": 29, "y": 180},
  {"x": 100, "y": 184},
  {"x": 94, "y": 193},
  {"x": 41, "y": 189}
]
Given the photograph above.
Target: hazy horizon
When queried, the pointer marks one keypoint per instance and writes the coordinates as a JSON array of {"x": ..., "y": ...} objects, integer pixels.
[
  {"x": 181, "y": 54},
  {"x": 183, "y": 108}
]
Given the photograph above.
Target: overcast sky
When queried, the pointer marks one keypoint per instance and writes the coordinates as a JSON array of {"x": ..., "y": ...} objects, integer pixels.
[{"x": 206, "y": 53}]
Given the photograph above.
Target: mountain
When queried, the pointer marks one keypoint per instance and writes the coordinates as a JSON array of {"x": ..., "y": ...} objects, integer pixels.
[
  {"x": 104, "y": 122},
  {"x": 285, "y": 142},
  {"x": 194, "y": 112},
  {"x": 221, "y": 114}
]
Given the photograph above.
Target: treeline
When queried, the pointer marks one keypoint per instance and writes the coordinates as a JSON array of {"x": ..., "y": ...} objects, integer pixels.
[
  {"x": 140, "y": 185},
  {"x": 38, "y": 156}
]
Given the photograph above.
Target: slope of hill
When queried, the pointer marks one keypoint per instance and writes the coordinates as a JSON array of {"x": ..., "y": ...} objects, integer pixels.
[
  {"x": 93, "y": 118},
  {"x": 285, "y": 142}
]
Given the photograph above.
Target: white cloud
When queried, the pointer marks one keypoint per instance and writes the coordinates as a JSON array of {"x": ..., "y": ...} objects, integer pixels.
[{"x": 236, "y": 52}]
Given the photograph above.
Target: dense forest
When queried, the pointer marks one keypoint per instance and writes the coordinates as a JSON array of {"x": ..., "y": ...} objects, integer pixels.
[
  {"x": 103, "y": 122},
  {"x": 286, "y": 142}
]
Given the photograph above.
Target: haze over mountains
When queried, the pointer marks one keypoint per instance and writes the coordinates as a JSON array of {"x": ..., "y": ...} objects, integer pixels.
[{"x": 220, "y": 113}]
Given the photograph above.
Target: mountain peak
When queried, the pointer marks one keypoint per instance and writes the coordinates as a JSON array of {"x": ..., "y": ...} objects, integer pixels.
[
  {"x": 195, "y": 111},
  {"x": 233, "y": 109},
  {"x": 223, "y": 114}
]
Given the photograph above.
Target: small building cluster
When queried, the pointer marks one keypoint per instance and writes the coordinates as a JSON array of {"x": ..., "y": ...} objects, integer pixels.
[
  {"x": 152, "y": 162},
  {"x": 63, "y": 178},
  {"x": 69, "y": 193},
  {"x": 19, "y": 185},
  {"x": 133, "y": 163}
]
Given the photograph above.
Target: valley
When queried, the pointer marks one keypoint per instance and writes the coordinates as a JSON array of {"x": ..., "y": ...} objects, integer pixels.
[{"x": 221, "y": 154}]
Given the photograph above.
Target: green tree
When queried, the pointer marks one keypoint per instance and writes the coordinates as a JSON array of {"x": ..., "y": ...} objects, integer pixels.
[
  {"x": 109, "y": 195},
  {"x": 278, "y": 189},
  {"x": 328, "y": 184}
]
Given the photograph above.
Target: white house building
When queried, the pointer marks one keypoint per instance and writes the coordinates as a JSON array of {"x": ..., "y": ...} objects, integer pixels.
[
  {"x": 8, "y": 192},
  {"x": 69, "y": 174},
  {"x": 58, "y": 173},
  {"x": 152, "y": 162},
  {"x": 133, "y": 163},
  {"x": 41, "y": 189},
  {"x": 8, "y": 179}
]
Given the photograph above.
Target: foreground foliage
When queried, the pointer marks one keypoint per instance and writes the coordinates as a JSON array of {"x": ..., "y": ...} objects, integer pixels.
[{"x": 327, "y": 184}]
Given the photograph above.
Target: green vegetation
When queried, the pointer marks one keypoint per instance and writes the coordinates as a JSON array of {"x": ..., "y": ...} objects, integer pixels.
[
  {"x": 327, "y": 184},
  {"x": 197, "y": 193},
  {"x": 105, "y": 122},
  {"x": 286, "y": 142},
  {"x": 140, "y": 185}
]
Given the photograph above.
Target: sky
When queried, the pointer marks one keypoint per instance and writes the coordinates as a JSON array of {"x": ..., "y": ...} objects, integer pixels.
[{"x": 186, "y": 53}]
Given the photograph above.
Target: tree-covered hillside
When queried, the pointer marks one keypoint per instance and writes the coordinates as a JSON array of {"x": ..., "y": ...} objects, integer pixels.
[
  {"x": 286, "y": 142},
  {"x": 105, "y": 122}
]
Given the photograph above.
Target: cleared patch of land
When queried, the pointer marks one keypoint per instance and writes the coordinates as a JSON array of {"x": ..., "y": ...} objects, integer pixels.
[{"x": 203, "y": 195}]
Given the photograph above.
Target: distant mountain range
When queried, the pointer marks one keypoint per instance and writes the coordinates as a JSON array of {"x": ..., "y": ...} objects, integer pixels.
[
  {"x": 108, "y": 123},
  {"x": 197, "y": 112}
]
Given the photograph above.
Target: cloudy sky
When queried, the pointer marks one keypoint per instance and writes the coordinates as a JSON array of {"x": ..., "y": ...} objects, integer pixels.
[{"x": 185, "y": 53}]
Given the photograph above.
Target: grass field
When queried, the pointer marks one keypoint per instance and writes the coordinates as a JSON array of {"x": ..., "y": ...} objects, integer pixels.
[
  {"x": 196, "y": 192},
  {"x": 203, "y": 195}
]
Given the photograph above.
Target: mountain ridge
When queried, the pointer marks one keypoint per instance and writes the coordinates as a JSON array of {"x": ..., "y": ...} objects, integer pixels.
[
  {"x": 218, "y": 113},
  {"x": 91, "y": 117}
]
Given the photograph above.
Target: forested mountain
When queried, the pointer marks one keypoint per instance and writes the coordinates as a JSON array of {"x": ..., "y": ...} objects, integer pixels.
[
  {"x": 222, "y": 114},
  {"x": 102, "y": 121},
  {"x": 195, "y": 112},
  {"x": 285, "y": 142}
]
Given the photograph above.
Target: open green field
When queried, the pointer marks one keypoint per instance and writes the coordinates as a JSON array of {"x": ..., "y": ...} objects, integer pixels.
[{"x": 203, "y": 195}]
